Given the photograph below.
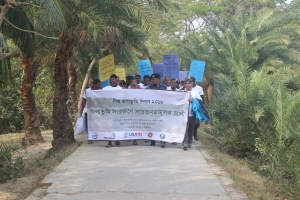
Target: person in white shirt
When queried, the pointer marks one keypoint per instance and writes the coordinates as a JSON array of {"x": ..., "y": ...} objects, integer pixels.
[
  {"x": 113, "y": 80},
  {"x": 188, "y": 138},
  {"x": 167, "y": 82},
  {"x": 200, "y": 91},
  {"x": 146, "y": 80},
  {"x": 96, "y": 86},
  {"x": 138, "y": 80}
]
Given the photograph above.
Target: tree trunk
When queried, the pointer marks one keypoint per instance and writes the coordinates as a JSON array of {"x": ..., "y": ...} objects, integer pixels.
[
  {"x": 72, "y": 88},
  {"x": 32, "y": 121},
  {"x": 63, "y": 132},
  {"x": 84, "y": 83},
  {"x": 210, "y": 91}
]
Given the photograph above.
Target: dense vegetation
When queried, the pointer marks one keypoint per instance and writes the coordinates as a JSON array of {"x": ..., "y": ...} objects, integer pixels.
[{"x": 251, "y": 80}]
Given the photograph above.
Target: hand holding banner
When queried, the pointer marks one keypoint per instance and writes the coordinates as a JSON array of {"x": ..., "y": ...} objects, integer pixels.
[{"x": 197, "y": 68}]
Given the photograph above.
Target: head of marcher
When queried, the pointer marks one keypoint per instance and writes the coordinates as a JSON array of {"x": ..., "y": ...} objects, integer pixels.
[
  {"x": 128, "y": 80},
  {"x": 133, "y": 83},
  {"x": 188, "y": 83},
  {"x": 146, "y": 80},
  {"x": 167, "y": 81},
  {"x": 155, "y": 78},
  {"x": 96, "y": 84},
  {"x": 173, "y": 84},
  {"x": 113, "y": 80},
  {"x": 138, "y": 79},
  {"x": 193, "y": 79}
]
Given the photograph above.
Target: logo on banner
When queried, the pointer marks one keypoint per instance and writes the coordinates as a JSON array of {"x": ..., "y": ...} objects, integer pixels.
[
  {"x": 150, "y": 135},
  {"x": 162, "y": 136},
  {"x": 95, "y": 136},
  {"x": 113, "y": 135},
  {"x": 125, "y": 135},
  {"x": 109, "y": 138},
  {"x": 135, "y": 134}
]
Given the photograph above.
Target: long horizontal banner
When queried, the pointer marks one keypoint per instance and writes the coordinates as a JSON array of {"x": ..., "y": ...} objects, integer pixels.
[{"x": 137, "y": 114}]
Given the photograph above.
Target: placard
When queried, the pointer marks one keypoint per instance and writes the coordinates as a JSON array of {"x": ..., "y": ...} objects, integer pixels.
[
  {"x": 120, "y": 72},
  {"x": 144, "y": 67},
  {"x": 197, "y": 68},
  {"x": 171, "y": 65},
  {"x": 182, "y": 75},
  {"x": 106, "y": 67},
  {"x": 158, "y": 68}
]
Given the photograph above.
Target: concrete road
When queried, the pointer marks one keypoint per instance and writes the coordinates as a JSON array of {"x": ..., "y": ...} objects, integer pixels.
[{"x": 137, "y": 172}]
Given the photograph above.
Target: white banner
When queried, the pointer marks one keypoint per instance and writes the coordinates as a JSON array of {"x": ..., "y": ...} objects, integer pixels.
[{"x": 131, "y": 114}]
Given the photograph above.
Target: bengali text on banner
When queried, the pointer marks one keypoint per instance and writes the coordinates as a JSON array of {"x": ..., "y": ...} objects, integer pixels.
[{"x": 137, "y": 114}]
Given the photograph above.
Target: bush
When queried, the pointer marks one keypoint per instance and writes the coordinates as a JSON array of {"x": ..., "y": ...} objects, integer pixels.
[
  {"x": 255, "y": 116},
  {"x": 9, "y": 167}
]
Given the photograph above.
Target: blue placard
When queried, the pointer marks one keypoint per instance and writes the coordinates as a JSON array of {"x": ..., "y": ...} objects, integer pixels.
[
  {"x": 158, "y": 68},
  {"x": 197, "y": 68},
  {"x": 144, "y": 68},
  {"x": 105, "y": 83},
  {"x": 171, "y": 65}
]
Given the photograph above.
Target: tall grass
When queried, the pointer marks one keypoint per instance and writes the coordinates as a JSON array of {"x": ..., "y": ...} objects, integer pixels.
[{"x": 9, "y": 167}]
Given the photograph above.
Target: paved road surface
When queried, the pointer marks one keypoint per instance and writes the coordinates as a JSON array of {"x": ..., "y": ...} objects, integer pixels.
[{"x": 137, "y": 172}]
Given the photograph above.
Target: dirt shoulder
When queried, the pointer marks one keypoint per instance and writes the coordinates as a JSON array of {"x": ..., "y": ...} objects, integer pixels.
[{"x": 39, "y": 161}]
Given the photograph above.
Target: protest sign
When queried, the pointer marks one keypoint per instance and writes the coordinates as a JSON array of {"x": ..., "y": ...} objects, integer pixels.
[
  {"x": 106, "y": 67},
  {"x": 120, "y": 72},
  {"x": 158, "y": 68},
  {"x": 137, "y": 114},
  {"x": 197, "y": 68},
  {"x": 144, "y": 68},
  {"x": 182, "y": 75},
  {"x": 171, "y": 65}
]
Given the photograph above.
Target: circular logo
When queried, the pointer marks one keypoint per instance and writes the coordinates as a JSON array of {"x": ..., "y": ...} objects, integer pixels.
[
  {"x": 125, "y": 135},
  {"x": 162, "y": 136},
  {"x": 95, "y": 136},
  {"x": 113, "y": 135},
  {"x": 150, "y": 135}
]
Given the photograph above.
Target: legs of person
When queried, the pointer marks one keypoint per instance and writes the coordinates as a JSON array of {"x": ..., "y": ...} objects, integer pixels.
[
  {"x": 152, "y": 142},
  {"x": 163, "y": 144},
  {"x": 185, "y": 140},
  {"x": 134, "y": 142},
  {"x": 109, "y": 144},
  {"x": 191, "y": 125},
  {"x": 197, "y": 124}
]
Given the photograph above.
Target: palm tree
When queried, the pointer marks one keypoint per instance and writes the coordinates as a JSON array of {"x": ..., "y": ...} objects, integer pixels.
[{"x": 25, "y": 41}]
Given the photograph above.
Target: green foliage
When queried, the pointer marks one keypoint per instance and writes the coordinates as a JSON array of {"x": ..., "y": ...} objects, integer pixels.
[
  {"x": 9, "y": 167},
  {"x": 11, "y": 110}
]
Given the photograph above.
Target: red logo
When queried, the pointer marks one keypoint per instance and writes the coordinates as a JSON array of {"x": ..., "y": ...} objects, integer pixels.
[{"x": 150, "y": 135}]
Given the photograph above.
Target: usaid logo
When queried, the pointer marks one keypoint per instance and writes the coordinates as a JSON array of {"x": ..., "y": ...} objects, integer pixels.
[{"x": 135, "y": 134}]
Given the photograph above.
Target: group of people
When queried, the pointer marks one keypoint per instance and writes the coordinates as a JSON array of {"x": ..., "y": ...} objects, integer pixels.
[{"x": 154, "y": 82}]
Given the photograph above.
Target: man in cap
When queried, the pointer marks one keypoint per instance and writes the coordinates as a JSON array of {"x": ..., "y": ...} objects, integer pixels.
[
  {"x": 198, "y": 89},
  {"x": 155, "y": 78}
]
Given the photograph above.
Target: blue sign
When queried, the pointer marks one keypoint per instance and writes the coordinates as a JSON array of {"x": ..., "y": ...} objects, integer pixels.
[
  {"x": 105, "y": 83},
  {"x": 158, "y": 68},
  {"x": 171, "y": 65},
  {"x": 197, "y": 68},
  {"x": 144, "y": 68}
]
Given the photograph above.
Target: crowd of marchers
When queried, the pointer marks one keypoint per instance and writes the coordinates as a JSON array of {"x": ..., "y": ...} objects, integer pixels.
[{"x": 154, "y": 82}]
